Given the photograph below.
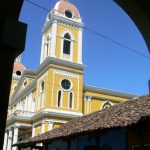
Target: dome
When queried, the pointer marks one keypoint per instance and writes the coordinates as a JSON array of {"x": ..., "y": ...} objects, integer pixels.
[
  {"x": 63, "y": 5},
  {"x": 18, "y": 69}
]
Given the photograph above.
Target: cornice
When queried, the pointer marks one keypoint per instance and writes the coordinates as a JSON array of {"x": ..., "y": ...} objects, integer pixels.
[
  {"x": 58, "y": 113},
  {"x": 59, "y": 19},
  {"x": 23, "y": 93},
  {"x": 45, "y": 113},
  {"x": 108, "y": 92}
]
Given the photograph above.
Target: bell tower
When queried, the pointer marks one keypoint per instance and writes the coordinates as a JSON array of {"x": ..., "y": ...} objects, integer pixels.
[{"x": 62, "y": 33}]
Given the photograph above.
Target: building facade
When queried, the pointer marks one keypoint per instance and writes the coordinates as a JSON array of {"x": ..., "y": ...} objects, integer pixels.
[{"x": 54, "y": 93}]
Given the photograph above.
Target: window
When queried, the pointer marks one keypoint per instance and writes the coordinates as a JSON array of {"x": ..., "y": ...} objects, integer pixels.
[
  {"x": 106, "y": 105},
  {"x": 46, "y": 46},
  {"x": 68, "y": 14},
  {"x": 146, "y": 147},
  {"x": 42, "y": 87},
  {"x": 66, "y": 84},
  {"x": 25, "y": 83},
  {"x": 67, "y": 44},
  {"x": 70, "y": 100},
  {"x": 59, "y": 99},
  {"x": 46, "y": 49},
  {"x": 18, "y": 73}
]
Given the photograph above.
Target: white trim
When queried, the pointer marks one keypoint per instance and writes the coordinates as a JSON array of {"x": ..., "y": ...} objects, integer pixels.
[
  {"x": 33, "y": 130},
  {"x": 57, "y": 5},
  {"x": 53, "y": 41},
  {"x": 42, "y": 49},
  {"x": 50, "y": 125},
  {"x": 76, "y": 24},
  {"x": 78, "y": 98},
  {"x": 60, "y": 113},
  {"x": 66, "y": 74},
  {"x": 53, "y": 81},
  {"x": 106, "y": 103},
  {"x": 71, "y": 85},
  {"x": 80, "y": 47},
  {"x": 38, "y": 90}
]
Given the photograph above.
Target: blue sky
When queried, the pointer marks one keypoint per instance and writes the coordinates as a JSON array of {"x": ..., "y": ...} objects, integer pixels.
[{"x": 108, "y": 65}]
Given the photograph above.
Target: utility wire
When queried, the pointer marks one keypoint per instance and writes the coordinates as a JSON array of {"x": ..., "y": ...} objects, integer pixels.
[
  {"x": 99, "y": 34},
  {"x": 45, "y": 9},
  {"x": 116, "y": 42}
]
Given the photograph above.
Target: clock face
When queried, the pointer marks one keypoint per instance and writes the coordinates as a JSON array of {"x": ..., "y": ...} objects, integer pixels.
[{"x": 68, "y": 14}]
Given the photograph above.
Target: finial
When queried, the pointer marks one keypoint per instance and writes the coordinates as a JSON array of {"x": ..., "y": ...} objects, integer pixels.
[{"x": 18, "y": 59}]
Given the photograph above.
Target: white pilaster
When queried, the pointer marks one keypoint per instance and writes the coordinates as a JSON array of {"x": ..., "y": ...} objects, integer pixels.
[
  {"x": 5, "y": 140},
  {"x": 50, "y": 127},
  {"x": 54, "y": 36},
  {"x": 33, "y": 131},
  {"x": 80, "y": 47},
  {"x": 9, "y": 140},
  {"x": 15, "y": 137},
  {"x": 42, "y": 48}
]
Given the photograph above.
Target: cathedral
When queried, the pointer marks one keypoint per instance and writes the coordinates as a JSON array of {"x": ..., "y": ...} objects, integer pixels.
[{"x": 54, "y": 93}]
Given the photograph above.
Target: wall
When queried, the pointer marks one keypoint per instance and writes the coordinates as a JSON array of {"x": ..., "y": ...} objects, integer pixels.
[{"x": 113, "y": 140}]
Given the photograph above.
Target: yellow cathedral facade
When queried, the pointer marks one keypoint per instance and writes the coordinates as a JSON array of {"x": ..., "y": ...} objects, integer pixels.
[{"x": 54, "y": 93}]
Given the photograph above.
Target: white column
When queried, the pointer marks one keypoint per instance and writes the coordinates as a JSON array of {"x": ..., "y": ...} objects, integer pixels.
[
  {"x": 53, "y": 42},
  {"x": 50, "y": 127},
  {"x": 42, "y": 48},
  {"x": 80, "y": 47},
  {"x": 89, "y": 103},
  {"x": 9, "y": 140},
  {"x": 15, "y": 137},
  {"x": 33, "y": 130},
  {"x": 5, "y": 140}
]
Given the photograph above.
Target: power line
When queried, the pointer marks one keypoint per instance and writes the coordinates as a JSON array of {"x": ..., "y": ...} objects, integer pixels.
[
  {"x": 45, "y": 9},
  {"x": 99, "y": 34},
  {"x": 116, "y": 42}
]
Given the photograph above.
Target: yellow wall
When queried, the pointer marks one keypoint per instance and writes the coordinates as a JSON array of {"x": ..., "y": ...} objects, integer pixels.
[
  {"x": 14, "y": 83},
  {"x": 61, "y": 28},
  {"x": 57, "y": 125},
  {"x": 98, "y": 100},
  {"x": 38, "y": 129}
]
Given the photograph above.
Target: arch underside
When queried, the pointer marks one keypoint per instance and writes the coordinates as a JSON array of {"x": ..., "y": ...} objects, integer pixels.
[{"x": 139, "y": 12}]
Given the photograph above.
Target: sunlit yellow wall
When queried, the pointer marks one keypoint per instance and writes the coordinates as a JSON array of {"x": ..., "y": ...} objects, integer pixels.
[
  {"x": 38, "y": 129},
  {"x": 56, "y": 125},
  {"x": 60, "y": 30},
  {"x": 46, "y": 126},
  {"x": 22, "y": 87},
  {"x": 14, "y": 83},
  {"x": 53, "y": 85},
  {"x": 97, "y": 103}
]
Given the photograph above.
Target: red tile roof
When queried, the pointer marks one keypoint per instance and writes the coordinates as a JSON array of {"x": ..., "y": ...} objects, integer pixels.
[
  {"x": 63, "y": 5},
  {"x": 120, "y": 115}
]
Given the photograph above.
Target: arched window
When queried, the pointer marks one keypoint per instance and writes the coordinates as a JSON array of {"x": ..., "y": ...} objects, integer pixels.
[
  {"x": 67, "y": 44},
  {"x": 106, "y": 105},
  {"x": 59, "y": 99},
  {"x": 70, "y": 100},
  {"x": 46, "y": 46},
  {"x": 42, "y": 87}
]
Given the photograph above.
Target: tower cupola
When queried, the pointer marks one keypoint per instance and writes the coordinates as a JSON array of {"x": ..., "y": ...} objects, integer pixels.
[{"x": 62, "y": 33}]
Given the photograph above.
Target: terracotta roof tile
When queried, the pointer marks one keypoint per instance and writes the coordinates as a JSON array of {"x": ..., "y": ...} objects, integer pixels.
[{"x": 120, "y": 115}]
